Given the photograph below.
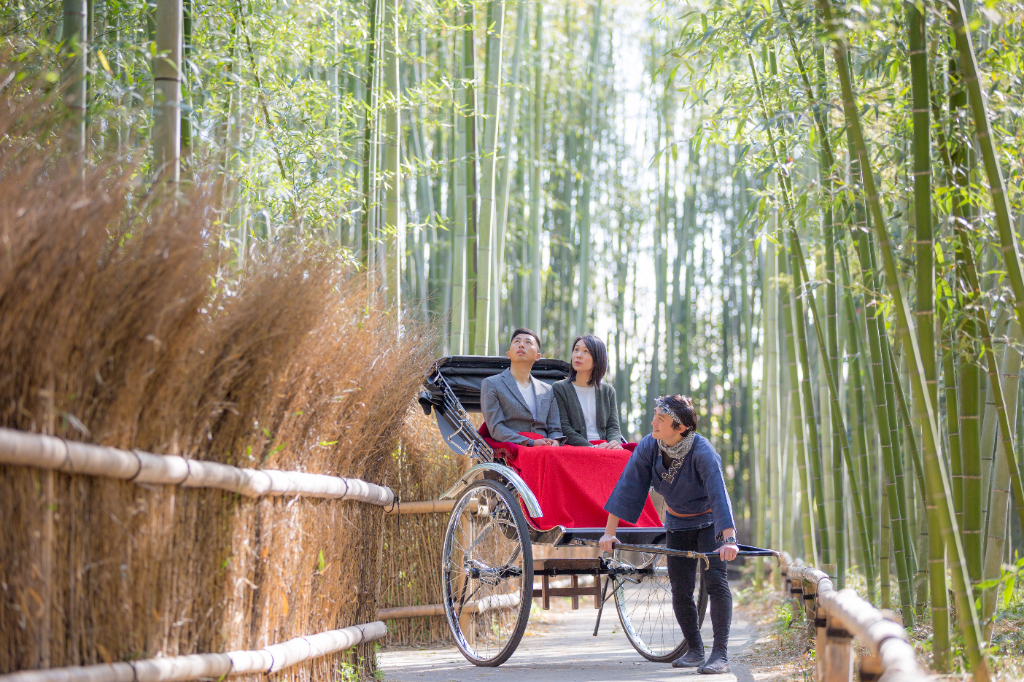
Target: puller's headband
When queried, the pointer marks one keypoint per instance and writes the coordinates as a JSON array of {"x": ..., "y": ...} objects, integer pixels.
[{"x": 667, "y": 409}]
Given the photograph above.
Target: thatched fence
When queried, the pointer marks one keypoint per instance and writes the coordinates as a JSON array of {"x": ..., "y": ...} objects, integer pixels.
[
  {"x": 123, "y": 324},
  {"x": 839, "y": 617}
]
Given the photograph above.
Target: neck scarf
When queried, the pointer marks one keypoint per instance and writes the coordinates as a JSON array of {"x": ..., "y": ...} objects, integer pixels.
[{"x": 677, "y": 453}]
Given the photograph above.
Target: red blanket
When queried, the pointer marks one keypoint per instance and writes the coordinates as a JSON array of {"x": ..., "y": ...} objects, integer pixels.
[{"x": 571, "y": 483}]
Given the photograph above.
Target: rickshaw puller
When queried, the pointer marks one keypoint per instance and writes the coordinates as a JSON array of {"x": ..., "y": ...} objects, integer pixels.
[{"x": 684, "y": 468}]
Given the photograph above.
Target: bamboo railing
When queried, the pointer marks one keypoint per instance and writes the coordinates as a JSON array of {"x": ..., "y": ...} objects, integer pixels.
[
  {"x": 840, "y": 616},
  {"x": 72, "y": 457},
  {"x": 177, "y": 668}
]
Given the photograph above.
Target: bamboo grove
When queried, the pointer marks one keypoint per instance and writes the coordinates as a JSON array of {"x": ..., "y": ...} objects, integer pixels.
[
  {"x": 804, "y": 214},
  {"x": 885, "y": 145}
]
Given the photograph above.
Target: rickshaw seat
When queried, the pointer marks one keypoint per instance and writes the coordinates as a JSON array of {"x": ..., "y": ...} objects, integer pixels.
[{"x": 571, "y": 483}]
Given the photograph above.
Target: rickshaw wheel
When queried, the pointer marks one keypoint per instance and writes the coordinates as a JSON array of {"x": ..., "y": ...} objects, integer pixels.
[
  {"x": 644, "y": 603},
  {"x": 487, "y": 573}
]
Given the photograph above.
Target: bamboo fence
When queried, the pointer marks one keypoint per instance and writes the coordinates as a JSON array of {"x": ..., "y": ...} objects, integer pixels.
[
  {"x": 270, "y": 659},
  {"x": 839, "y": 617},
  {"x": 71, "y": 457}
]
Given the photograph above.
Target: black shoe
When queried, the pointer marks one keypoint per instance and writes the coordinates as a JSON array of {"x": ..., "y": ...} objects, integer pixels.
[
  {"x": 718, "y": 664},
  {"x": 693, "y": 658}
]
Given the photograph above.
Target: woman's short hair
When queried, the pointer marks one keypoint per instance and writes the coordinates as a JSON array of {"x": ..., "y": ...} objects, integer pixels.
[
  {"x": 599, "y": 353},
  {"x": 681, "y": 409}
]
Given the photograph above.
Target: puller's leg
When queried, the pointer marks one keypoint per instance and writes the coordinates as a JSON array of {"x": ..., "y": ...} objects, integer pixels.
[
  {"x": 682, "y": 574},
  {"x": 720, "y": 597}
]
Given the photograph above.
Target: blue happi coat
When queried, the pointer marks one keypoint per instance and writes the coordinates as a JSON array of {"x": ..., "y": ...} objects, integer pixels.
[{"x": 698, "y": 486}]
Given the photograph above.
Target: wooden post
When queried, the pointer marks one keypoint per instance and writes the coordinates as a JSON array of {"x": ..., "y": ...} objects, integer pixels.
[
  {"x": 838, "y": 654},
  {"x": 870, "y": 667},
  {"x": 810, "y": 594},
  {"x": 821, "y": 650}
]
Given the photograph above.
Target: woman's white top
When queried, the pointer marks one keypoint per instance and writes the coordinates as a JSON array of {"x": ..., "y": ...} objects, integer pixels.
[
  {"x": 529, "y": 395},
  {"x": 587, "y": 396}
]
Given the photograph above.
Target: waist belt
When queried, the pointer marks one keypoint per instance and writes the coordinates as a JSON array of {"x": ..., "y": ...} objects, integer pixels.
[{"x": 687, "y": 516}]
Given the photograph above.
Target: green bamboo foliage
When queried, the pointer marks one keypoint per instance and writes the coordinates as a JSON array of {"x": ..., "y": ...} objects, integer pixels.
[
  {"x": 993, "y": 169},
  {"x": 937, "y": 480}
]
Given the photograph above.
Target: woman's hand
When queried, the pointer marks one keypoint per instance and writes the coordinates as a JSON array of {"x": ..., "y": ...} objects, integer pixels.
[{"x": 608, "y": 542}]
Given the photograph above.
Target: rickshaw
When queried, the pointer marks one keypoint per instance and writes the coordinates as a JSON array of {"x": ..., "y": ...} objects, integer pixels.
[{"x": 488, "y": 569}]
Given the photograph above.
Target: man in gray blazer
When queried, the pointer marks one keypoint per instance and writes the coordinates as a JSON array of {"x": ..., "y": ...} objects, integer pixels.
[{"x": 514, "y": 401}]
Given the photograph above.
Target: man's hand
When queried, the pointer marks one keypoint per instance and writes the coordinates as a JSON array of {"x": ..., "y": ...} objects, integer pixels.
[
  {"x": 608, "y": 542},
  {"x": 608, "y": 445},
  {"x": 544, "y": 442},
  {"x": 728, "y": 552}
]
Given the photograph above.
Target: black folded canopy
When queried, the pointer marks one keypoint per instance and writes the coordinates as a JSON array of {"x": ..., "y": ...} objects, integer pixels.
[{"x": 465, "y": 373}]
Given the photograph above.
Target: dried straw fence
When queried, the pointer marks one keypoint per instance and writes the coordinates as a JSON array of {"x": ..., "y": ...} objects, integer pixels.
[
  {"x": 841, "y": 616},
  {"x": 121, "y": 326}
]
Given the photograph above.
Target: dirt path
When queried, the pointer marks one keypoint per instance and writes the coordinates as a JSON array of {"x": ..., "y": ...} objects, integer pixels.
[{"x": 560, "y": 646}]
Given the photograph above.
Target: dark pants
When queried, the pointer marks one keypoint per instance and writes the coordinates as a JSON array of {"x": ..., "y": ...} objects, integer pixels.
[{"x": 682, "y": 573}]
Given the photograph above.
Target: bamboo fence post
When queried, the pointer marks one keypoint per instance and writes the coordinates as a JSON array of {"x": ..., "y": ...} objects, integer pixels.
[{"x": 839, "y": 653}]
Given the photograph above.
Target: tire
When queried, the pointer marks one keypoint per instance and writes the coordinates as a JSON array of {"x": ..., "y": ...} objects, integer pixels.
[
  {"x": 487, "y": 560},
  {"x": 643, "y": 600}
]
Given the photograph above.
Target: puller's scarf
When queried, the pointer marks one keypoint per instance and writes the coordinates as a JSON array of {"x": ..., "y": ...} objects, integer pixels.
[{"x": 677, "y": 453}]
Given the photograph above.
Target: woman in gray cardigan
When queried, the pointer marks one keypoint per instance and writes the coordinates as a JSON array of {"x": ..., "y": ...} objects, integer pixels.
[{"x": 588, "y": 407}]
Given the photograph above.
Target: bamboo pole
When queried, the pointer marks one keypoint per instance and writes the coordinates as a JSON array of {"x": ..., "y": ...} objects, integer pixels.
[
  {"x": 590, "y": 141},
  {"x": 48, "y": 452},
  {"x": 483, "y": 344},
  {"x": 536, "y": 189},
  {"x": 76, "y": 64},
  {"x": 497, "y": 601},
  {"x": 459, "y": 343},
  {"x": 179, "y": 668},
  {"x": 167, "y": 91},
  {"x": 505, "y": 174},
  {"x": 799, "y": 422},
  {"x": 925, "y": 303},
  {"x": 393, "y": 227}
]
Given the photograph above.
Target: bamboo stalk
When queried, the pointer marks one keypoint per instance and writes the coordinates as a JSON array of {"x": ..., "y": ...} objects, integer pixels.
[
  {"x": 798, "y": 422},
  {"x": 48, "y": 452},
  {"x": 483, "y": 344},
  {"x": 76, "y": 64},
  {"x": 179, "y": 668},
  {"x": 167, "y": 91},
  {"x": 925, "y": 252},
  {"x": 536, "y": 296},
  {"x": 582, "y": 307}
]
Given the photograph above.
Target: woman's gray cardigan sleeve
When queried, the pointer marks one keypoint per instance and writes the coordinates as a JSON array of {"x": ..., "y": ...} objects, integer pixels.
[{"x": 612, "y": 432}]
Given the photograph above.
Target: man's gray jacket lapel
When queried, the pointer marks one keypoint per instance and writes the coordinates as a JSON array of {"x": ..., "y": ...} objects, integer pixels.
[{"x": 507, "y": 414}]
